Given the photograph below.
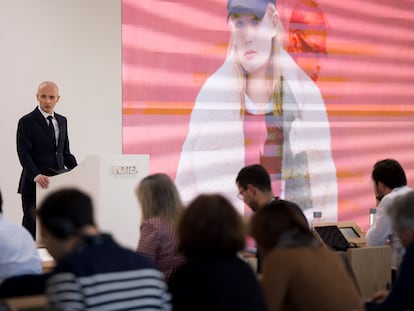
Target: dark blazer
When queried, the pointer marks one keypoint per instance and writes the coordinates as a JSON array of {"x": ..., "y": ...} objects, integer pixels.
[{"x": 37, "y": 151}]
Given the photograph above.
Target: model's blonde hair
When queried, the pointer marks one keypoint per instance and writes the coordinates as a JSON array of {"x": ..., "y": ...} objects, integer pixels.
[
  {"x": 274, "y": 70},
  {"x": 158, "y": 197}
]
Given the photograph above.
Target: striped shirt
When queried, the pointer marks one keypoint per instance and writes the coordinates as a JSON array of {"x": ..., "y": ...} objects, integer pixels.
[
  {"x": 263, "y": 139},
  {"x": 102, "y": 276},
  {"x": 159, "y": 244}
]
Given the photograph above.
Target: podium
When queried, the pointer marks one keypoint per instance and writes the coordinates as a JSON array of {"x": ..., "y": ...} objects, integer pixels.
[
  {"x": 371, "y": 266},
  {"x": 110, "y": 180}
]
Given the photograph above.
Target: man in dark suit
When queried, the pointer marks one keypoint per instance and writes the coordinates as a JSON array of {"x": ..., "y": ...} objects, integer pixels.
[{"x": 43, "y": 149}]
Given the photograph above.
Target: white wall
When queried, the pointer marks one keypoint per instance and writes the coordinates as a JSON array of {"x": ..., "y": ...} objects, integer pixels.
[{"x": 77, "y": 44}]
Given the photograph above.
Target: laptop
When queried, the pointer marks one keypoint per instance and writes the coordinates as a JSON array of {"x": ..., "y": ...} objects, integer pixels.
[{"x": 333, "y": 237}]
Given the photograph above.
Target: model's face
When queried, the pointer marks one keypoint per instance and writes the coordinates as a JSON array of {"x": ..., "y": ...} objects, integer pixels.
[
  {"x": 253, "y": 39},
  {"x": 47, "y": 96}
]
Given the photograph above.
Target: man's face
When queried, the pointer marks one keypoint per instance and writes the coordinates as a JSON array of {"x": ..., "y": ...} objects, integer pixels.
[
  {"x": 247, "y": 194},
  {"x": 47, "y": 96},
  {"x": 378, "y": 189}
]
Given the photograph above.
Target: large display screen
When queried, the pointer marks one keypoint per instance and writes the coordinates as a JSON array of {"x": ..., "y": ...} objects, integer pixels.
[{"x": 315, "y": 91}]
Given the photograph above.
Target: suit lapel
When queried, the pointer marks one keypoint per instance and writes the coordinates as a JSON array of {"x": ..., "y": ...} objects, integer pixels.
[{"x": 43, "y": 123}]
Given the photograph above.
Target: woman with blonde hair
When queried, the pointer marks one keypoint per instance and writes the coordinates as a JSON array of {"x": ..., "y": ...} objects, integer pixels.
[
  {"x": 160, "y": 203},
  {"x": 260, "y": 107}
]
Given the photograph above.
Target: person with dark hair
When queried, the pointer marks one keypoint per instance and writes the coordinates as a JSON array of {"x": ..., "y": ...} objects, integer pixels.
[
  {"x": 18, "y": 252},
  {"x": 93, "y": 271},
  {"x": 401, "y": 295},
  {"x": 297, "y": 268},
  {"x": 254, "y": 177},
  {"x": 160, "y": 204},
  {"x": 210, "y": 234},
  {"x": 389, "y": 182},
  {"x": 255, "y": 189},
  {"x": 43, "y": 149}
]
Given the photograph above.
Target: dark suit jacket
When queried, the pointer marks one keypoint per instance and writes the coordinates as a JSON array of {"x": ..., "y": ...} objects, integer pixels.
[{"x": 36, "y": 149}]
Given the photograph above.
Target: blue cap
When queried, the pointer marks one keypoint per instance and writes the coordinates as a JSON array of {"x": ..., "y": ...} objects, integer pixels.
[{"x": 255, "y": 7}]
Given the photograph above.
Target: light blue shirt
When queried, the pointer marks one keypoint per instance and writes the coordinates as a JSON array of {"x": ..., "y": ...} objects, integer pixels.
[{"x": 18, "y": 252}]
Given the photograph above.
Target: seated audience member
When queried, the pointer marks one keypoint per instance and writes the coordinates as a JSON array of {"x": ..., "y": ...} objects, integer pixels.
[
  {"x": 160, "y": 204},
  {"x": 210, "y": 234},
  {"x": 93, "y": 272},
  {"x": 255, "y": 189},
  {"x": 389, "y": 182},
  {"x": 299, "y": 273},
  {"x": 401, "y": 295},
  {"x": 18, "y": 252}
]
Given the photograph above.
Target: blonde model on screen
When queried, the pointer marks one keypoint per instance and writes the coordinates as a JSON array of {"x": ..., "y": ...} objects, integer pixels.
[{"x": 260, "y": 107}]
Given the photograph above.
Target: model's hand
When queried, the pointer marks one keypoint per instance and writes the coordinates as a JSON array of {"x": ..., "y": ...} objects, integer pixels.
[{"x": 42, "y": 180}]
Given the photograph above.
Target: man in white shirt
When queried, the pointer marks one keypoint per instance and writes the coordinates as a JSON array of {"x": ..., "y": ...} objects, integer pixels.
[
  {"x": 389, "y": 182},
  {"x": 18, "y": 253}
]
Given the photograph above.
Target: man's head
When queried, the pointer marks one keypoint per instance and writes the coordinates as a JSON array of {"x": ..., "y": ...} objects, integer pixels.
[
  {"x": 65, "y": 216},
  {"x": 402, "y": 218},
  {"x": 47, "y": 96},
  {"x": 386, "y": 175},
  {"x": 255, "y": 188}
]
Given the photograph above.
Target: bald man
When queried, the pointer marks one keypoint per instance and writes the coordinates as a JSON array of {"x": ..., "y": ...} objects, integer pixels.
[{"x": 43, "y": 149}]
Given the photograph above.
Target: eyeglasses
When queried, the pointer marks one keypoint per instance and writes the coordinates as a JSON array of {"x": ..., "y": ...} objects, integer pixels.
[{"x": 240, "y": 194}]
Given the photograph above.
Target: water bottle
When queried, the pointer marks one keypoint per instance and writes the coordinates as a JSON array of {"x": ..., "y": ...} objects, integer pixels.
[
  {"x": 317, "y": 216},
  {"x": 372, "y": 216}
]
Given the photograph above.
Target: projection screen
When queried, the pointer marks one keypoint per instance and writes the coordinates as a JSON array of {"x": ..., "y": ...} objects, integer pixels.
[{"x": 316, "y": 91}]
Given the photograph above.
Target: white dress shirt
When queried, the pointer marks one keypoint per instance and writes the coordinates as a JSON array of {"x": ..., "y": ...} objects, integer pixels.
[{"x": 381, "y": 230}]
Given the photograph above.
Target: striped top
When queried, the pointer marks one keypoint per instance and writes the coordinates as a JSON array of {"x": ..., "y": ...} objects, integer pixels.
[
  {"x": 101, "y": 275},
  {"x": 263, "y": 139},
  {"x": 159, "y": 244}
]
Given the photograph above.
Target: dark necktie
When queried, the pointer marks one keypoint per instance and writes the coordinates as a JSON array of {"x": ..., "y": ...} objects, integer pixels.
[{"x": 52, "y": 128}]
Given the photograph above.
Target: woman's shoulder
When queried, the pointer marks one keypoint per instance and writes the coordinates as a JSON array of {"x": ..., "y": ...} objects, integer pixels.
[{"x": 298, "y": 253}]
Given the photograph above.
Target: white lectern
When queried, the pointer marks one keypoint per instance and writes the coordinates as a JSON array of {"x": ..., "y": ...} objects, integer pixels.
[{"x": 110, "y": 180}]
